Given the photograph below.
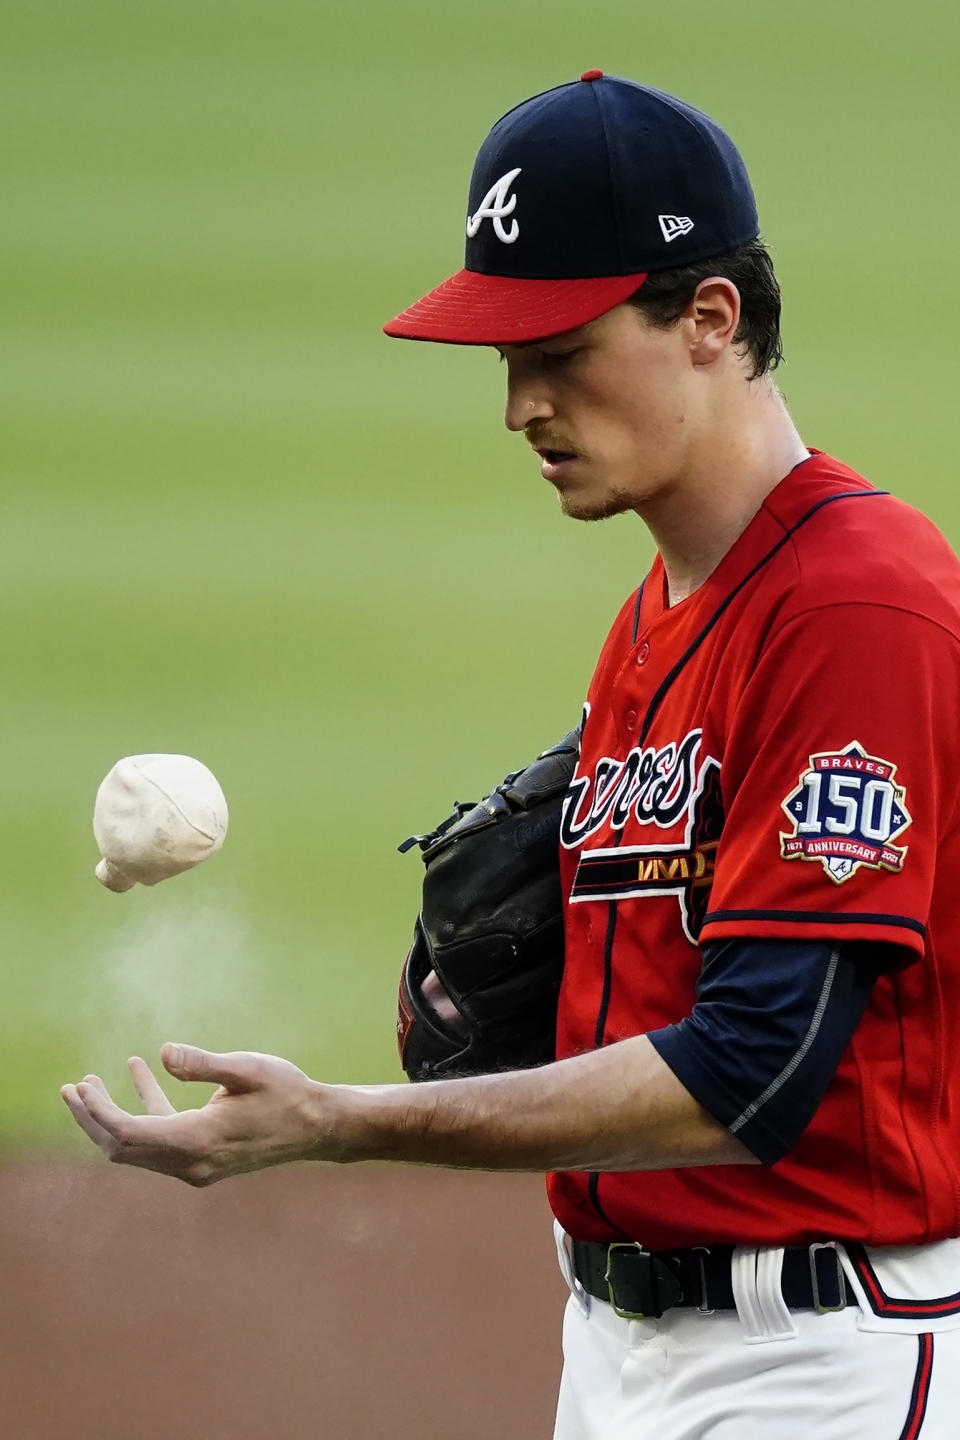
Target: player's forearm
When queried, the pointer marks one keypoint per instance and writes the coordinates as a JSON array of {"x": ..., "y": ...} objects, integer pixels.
[{"x": 620, "y": 1108}]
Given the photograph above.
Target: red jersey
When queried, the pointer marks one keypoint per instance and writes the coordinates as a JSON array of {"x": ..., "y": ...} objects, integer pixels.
[{"x": 779, "y": 756}]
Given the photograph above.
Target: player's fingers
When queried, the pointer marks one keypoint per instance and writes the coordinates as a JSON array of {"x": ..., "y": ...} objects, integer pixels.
[
  {"x": 95, "y": 1080},
  {"x": 101, "y": 1108},
  {"x": 155, "y": 1142},
  {"x": 148, "y": 1088},
  {"x": 167, "y": 1144},
  {"x": 84, "y": 1119},
  {"x": 238, "y": 1071},
  {"x": 437, "y": 997}
]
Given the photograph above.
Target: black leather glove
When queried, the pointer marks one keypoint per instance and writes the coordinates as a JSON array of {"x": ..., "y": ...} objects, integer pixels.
[{"x": 491, "y": 928}]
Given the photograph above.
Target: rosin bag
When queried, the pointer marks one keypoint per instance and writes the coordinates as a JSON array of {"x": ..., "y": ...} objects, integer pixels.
[{"x": 156, "y": 816}]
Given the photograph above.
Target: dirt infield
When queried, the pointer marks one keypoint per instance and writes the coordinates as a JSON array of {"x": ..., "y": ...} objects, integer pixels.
[{"x": 304, "y": 1304}]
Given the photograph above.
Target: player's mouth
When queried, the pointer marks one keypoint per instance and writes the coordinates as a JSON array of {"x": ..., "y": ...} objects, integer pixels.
[{"x": 555, "y": 464}]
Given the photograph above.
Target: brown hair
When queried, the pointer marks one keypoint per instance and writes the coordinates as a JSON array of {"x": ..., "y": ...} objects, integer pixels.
[{"x": 666, "y": 294}]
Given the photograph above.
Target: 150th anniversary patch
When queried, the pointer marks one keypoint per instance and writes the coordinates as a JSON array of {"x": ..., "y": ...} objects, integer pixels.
[{"x": 846, "y": 811}]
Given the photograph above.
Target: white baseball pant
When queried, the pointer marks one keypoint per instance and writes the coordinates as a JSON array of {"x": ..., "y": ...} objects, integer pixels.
[{"x": 760, "y": 1373}]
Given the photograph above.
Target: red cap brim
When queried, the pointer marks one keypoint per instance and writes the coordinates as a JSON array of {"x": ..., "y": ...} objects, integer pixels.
[{"x": 475, "y": 309}]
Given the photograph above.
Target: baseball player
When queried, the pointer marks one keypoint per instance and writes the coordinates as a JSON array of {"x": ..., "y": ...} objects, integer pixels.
[{"x": 752, "y": 1125}]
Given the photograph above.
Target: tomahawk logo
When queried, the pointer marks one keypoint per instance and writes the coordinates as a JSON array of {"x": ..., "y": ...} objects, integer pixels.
[
  {"x": 496, "y": 206},
  {"x": 674, "y": 225}
]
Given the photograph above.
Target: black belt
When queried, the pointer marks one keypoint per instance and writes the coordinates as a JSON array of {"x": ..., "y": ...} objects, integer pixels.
[{"x": 642, "y": 1284}]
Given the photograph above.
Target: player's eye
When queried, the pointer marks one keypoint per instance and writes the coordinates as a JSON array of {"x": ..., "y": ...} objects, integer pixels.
[{"x": 559, "y": 357}]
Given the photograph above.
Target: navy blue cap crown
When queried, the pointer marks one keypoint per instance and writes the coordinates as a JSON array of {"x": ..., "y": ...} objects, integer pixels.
[{"x": 605, "y": 177}]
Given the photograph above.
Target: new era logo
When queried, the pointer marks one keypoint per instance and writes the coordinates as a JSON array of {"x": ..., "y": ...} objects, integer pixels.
[{"x": 674, "y": 225}]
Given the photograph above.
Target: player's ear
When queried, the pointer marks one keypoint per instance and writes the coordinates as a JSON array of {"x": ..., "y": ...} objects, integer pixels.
[{"x": 714, "y": 313}]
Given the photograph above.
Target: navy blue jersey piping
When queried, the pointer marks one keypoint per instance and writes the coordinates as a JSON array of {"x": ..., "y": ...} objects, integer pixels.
[
  {"x": 816, "y": 917},
  {"x": 664, "y": 686}
]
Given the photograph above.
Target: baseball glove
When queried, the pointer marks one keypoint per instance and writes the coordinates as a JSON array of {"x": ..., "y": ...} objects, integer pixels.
[{"x": 490, "y": 928}]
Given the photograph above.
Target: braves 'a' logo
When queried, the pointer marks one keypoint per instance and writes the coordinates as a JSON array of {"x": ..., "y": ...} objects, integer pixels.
[
  {"x": 845, "y": 811},
  {"x": 496, "y": 206}
]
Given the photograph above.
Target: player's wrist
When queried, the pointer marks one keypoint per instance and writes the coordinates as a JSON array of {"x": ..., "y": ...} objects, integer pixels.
[{"x": 351, "y": 1123}]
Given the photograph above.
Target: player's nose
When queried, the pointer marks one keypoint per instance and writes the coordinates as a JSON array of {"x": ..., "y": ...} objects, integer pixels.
[{"x": 527, "y": 400}]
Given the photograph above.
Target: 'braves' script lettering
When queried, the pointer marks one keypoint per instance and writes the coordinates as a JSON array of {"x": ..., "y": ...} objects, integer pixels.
[{"x": 654, "y": 785}]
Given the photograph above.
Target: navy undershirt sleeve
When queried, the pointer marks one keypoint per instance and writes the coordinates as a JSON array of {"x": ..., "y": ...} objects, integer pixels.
[{"x": 770, "y": 1024}]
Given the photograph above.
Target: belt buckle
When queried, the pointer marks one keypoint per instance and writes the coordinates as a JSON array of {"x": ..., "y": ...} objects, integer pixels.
[
  {"x": 622, "y": 1245},
  {"x": 660, "y": 1287},
  {"x": 818, "y": 1304}
]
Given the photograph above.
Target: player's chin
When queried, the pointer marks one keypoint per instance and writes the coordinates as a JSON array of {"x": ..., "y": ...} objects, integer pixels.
[{"x": 580, "y": 505}]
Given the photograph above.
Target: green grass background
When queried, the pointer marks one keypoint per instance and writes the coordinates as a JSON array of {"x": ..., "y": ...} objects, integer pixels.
[{"x": 238, "y": 522}]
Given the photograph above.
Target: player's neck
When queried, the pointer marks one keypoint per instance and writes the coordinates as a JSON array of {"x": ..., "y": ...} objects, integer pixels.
[{"x": 698, "y": 519}]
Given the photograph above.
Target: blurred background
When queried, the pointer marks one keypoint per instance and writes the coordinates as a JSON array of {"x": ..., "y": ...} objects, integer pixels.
[{"x": 238, "y": 522}]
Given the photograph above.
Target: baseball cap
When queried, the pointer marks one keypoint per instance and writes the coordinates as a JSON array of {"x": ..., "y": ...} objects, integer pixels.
[{"x": 577, "y": 195}]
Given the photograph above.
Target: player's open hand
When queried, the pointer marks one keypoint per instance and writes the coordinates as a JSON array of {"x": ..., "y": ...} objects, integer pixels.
[{"x": 265, "y": 1111}]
